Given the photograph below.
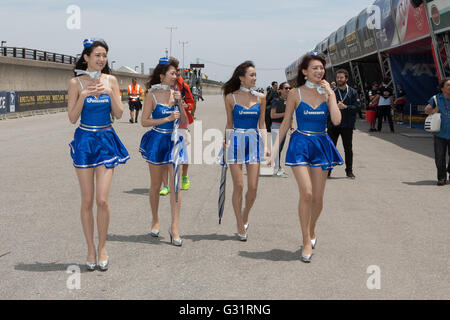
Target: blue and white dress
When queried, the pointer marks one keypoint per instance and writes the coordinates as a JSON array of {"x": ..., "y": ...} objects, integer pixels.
[
  {"x": 156, "y": 144},
  {"x": 246, "y": 145},
  {"x": 95, "y": 141},
  {"x": 310, "y": 145}
]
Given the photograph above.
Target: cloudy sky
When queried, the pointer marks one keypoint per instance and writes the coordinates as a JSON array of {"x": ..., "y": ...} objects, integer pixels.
[{"x": 221, "y": 34}]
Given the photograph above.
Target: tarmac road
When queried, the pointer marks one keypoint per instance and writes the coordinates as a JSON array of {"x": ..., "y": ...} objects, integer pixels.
[{"x": 392, "y": 219}]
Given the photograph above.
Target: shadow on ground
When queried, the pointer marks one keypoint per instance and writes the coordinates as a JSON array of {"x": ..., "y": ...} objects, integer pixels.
[
  {"x": 212, "y": 236},
  {"x": 421, "y": 183},
  {"x": 141, "y": 191},
  {"x": 273, "y": 255},
  {"x": 141, "y": 238},
  {"x": 423, "y": 146},
  {"x": 48, "y": 267}
]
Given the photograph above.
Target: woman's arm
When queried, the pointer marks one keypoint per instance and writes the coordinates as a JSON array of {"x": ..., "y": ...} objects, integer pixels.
[
  {"x": 335, "y": 113},
  {"x": 293, "y": 100},
  {"x": 229, "y": 104},
  {"x": 116, "y": 102},
  {"x": 149, "y": 105},
  {"x": 75, "y": 100},
  {"x": 262, "y": 122}
]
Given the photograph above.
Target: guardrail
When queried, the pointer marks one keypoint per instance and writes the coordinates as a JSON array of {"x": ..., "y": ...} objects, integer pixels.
[{"x": 33, "y": 54}]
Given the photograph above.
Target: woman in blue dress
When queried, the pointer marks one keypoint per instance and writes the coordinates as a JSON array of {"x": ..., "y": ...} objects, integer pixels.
[
  {"x": 160, "y": 111},
  {"x": 246, "y": 138},
  {"x": 96, "y": 149},
  {"x": 311, "y": 153}
]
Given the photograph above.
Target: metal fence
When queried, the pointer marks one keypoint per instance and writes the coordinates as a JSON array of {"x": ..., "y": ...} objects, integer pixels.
[{"x": 33, "y": 54}]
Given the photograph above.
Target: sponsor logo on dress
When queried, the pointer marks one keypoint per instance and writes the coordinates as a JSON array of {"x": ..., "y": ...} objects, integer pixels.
[
  {"x": 167, "y": 111},
  {"x": 94, "y": 100},
  {"x": 247, "y": 112},
  {"x": 306, "y": 112}
]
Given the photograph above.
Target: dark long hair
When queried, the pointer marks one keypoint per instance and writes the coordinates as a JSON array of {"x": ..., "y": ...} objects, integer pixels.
[
  {"x": 160, "y": 69},
  {"x": 235, "y": 83},
  {"x": 82, "y": 64},
  {"x": 305, "y": 64}
]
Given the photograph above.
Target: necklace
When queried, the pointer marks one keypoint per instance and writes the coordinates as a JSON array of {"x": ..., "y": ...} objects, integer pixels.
[{"x": 346, "y": 93}]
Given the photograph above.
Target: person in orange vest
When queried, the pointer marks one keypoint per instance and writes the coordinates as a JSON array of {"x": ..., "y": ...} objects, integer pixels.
[
  {"x": 134, "y": 99},
  {"x": 186, "y": 95}
]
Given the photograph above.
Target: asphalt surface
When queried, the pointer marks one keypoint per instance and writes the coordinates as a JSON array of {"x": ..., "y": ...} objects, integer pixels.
[{"x": 392, "y": 218}]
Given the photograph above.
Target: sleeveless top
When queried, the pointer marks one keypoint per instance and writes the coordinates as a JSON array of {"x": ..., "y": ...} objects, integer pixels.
[
  {"x": 161, "y": 111},
  {"x": 96, "y": 111},
  {"x": 245, "y": 118},
  {"x": 311, "y": 120}
]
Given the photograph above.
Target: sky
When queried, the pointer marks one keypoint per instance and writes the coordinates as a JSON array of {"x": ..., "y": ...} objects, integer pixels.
[{"x": 221, "y": 34}]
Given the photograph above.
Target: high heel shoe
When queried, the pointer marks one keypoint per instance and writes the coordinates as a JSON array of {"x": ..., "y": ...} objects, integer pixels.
[
  {"x": 305, "y": 257},
  {"x": 242, "y": 237},
  {"x": 154, "y": 233},
  {"x": 246, "y": 226},
  {"x": 175, "y": 241},
  {"x": 313, "y": 242},
  {"x": 103, "y": 265},
  {"x": 91, "y": 265}
]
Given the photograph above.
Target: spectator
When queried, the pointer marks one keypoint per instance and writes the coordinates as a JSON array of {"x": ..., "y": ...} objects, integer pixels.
[
  {"x": 385, "y": 105},
  {"x": 277, "y": 109},
  {"x": 371, "y": 110},
  {"x": 441, "y": 103},
  {"x": 348, "y": 104},
  {"x": 272, "y": 93},
  {"x": 400, "y": 103}
]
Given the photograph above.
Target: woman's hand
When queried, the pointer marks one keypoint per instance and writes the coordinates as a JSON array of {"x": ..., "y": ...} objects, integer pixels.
[
  {"x": 327, "y": 87},
  {"x": 175, "y": 115},
  {"x": 101, "y": 89},
  {"x": 90, "y": 90},
  {"x": 177, "y": 96}
]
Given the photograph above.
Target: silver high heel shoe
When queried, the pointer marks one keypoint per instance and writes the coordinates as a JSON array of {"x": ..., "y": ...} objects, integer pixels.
[
  {"x": 305, "y": 257},
  {"x": 242, "y": 237},
  {"x": 91, "y": 266},
  {"x": 103, "y": 265},
  {"x": 154, "y": 233},
  {"x": 313, "y": 242},
  {"x": 175, "y": 241},
  {"x": 246, "y": 226}
]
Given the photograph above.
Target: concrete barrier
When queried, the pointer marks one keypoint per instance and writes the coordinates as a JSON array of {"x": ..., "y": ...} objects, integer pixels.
[{"x": 32, "y": 75}]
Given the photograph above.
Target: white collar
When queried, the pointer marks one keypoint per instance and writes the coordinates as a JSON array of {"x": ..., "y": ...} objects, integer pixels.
[
  {"x": 159, "y": 86},
  {"x": 251, "y": 90},
  {"x": 94, "y": 75},
  {"x": 311, "y": 85}
]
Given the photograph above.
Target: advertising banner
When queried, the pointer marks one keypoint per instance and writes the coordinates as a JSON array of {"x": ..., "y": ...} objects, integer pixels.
[
  {"x": 439, "y": 13},
  {"x": 351, "y": 38},
  {"x": 365, "y": 36},
  {"x": 417, "y": 75},
  {"x": 341, "y": 45},
  {"x": 36, "y": 100},
  {"x": 386, "y": 35},
  {"x": 4, "y": 102},
  {"x": 411, "y": 22}
]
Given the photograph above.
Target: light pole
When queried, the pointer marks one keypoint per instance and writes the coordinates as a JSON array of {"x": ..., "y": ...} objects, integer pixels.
[
  {"x": 112, "y": 64},
  {"x": 183, "y": 43},
  {"x": 171, "y": 28}
]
